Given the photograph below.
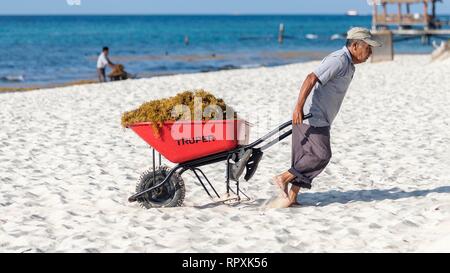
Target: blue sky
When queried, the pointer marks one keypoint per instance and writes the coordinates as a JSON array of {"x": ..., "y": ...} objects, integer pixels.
[{"x": 191, "y": 7}]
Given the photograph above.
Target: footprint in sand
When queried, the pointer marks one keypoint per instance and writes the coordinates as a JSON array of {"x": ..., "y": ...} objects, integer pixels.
[{"x": 278, "y": 202}]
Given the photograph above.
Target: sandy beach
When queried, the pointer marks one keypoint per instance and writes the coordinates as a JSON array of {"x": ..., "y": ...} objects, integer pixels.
[{"x": 67, "y": 167}]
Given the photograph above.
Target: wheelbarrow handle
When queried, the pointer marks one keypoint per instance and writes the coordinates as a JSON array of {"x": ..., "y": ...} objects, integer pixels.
[
  {"x": 284, "y": 135},
  {"x": 275, "y": 131},
  {"x": 307, "y": 116}
]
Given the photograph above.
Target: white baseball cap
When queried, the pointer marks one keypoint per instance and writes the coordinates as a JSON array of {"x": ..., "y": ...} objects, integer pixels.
[{"x": 363, "y": 34}]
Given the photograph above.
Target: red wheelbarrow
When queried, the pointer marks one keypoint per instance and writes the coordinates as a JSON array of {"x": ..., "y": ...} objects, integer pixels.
[{"x": 193, "y": 144}]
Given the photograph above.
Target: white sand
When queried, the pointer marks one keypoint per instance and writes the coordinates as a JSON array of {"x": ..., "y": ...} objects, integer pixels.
[{"x": 67, "y": 168}]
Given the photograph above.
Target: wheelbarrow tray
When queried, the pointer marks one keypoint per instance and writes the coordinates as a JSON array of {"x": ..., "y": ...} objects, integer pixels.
[{"x": 182, "y": 141}]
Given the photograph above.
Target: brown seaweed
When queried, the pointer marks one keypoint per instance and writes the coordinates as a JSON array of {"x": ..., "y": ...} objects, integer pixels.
[{"x": 159, "y": 111}]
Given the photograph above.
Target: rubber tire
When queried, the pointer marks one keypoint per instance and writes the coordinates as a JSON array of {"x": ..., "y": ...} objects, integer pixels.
[{"x": 171, "y": 194}]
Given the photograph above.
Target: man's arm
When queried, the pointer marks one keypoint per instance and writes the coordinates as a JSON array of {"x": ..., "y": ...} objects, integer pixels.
[
  {"x": 305, "y": 90},
  {"x": 109, "y": 62}
]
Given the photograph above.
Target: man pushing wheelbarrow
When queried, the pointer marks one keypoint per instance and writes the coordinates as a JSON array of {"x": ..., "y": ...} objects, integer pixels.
[
  {"x": 321, "y": 95},
  {"x": 215, "y": 136}
]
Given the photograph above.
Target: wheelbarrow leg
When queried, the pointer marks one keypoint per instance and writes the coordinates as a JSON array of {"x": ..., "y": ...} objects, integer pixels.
[
  {"x": 237, "y": 190},
  {"x": 201, "y": 182},
  {"x": 246, "y": 196},
  {"x": 207, "y": 180},
  {"x": 240, "y": 191},
  {"x": 154, "y": 168},
  {"x": 228, "y": 176}
]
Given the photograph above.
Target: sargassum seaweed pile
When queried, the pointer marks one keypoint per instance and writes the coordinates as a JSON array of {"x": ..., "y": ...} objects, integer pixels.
[{"x": 183, "y": 106}]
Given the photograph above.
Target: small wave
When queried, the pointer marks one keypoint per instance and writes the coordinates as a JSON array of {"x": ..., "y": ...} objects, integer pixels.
[
  {"x": 250, "y": 65},
  {"x": 336, "y": 37},
  {"x": 13, "y": 78},
  {"x": 228, "y": 67},
  {"x": 218, "y": 68},
  {"x": 311, "y": 36}
]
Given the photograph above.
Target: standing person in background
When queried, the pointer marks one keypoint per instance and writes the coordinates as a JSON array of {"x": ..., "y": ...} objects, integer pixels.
[{"x": 102, "y": 62}]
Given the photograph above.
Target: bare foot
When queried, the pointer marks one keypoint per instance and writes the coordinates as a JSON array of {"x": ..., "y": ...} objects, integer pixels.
[{"x": 278, "y": 181}]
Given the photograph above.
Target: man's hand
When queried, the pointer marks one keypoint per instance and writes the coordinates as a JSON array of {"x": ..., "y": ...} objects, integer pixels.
[{"x": 297, "y": 117}]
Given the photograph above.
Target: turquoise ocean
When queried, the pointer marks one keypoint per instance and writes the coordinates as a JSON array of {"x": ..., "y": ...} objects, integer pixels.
[{"x": 42, "y": 50}]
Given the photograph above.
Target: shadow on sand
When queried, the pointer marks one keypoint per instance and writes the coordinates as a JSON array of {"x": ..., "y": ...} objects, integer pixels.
[{"x": 322, "y": 199}]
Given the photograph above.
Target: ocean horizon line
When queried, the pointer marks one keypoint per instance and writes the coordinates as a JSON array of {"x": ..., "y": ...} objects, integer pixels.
[{"x": 193, "y": 14}]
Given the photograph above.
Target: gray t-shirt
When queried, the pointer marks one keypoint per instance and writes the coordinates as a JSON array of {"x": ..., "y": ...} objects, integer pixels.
[{"x": 335, "y": 74}]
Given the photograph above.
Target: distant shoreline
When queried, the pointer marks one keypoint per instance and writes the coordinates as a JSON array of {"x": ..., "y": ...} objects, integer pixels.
[
  {"x": 145, "y": 76},
  {"x": 290, "y": 57}
]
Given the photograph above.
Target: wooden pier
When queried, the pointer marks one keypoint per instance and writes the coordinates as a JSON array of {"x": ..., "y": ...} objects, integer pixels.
[
  {"x": 404, "y": 18},
  {"x": 407, "y": 25},
  {"x": 397, "y": 22}
]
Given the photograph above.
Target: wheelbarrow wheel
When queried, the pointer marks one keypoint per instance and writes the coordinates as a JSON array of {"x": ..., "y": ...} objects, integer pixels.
[{"x": 170, "y": 194}]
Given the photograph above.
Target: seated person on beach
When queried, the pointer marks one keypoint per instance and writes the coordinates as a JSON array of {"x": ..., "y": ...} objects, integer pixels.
[
  {"x": 328, "y": 83},
  {"x": 102, "y": 62}
]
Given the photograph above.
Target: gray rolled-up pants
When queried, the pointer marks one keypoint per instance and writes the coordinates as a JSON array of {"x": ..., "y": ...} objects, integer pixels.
[{"x": 311, "y": 152}]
